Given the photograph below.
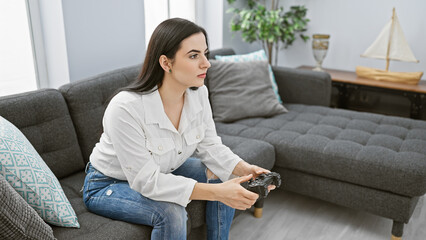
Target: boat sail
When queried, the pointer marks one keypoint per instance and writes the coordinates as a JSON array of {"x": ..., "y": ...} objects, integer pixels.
[{"x": 390, "y": 45}]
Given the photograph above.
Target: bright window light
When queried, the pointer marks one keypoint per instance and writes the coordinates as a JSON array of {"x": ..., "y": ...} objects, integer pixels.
[
  {"x": 183, "y": 9},
  {"x": 157, "y": 11},
  {"x": 17, "y": 73}
]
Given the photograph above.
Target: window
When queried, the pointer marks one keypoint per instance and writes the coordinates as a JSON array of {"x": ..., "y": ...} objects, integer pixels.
[
  {"x": 17, "y": 71},
  {"x": 160, "y": 10},
  {"x": 183, "y": 9}
]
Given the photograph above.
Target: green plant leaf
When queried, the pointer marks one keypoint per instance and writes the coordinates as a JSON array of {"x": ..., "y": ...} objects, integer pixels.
[{"x": 258, "y": 22}]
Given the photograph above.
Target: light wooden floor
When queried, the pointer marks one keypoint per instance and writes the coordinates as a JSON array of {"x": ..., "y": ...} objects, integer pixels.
[{"x": 292, "y": 216}]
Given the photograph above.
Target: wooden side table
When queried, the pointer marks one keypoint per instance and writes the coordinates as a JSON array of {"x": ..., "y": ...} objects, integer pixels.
[{"x": 347, "y": 82}]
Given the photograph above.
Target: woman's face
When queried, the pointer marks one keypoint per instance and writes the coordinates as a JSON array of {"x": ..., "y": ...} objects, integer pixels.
[{"x": 190, "y": 64}]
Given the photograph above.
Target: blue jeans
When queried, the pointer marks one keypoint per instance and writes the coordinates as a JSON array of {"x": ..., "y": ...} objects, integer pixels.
[{"x": 115, "y": 199}]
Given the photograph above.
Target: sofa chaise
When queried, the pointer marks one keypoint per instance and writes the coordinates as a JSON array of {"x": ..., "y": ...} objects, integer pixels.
[{"x": 365, "y": 161}]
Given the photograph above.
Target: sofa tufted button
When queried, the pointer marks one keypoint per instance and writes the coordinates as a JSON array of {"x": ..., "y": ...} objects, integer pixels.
[{"x": 179, "y": 152}]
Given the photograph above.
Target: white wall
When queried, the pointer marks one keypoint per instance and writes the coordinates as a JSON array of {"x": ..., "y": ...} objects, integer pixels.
[
  {"x": 353, "y": 26},
  {"x": 103, "y": 35},
  {"x": 99, "y": 36},
  {"x": 83, "y": 38}
]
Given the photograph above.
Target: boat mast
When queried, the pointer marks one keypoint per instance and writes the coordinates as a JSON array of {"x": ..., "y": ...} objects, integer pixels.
[{"x": 390, "y": 40}]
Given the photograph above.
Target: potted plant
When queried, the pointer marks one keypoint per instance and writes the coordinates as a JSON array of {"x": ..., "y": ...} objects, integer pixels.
[{"x": 269, "y": 25}]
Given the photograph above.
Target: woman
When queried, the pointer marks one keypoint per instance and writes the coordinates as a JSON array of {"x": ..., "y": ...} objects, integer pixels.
[{"x": 141, "y": 171}]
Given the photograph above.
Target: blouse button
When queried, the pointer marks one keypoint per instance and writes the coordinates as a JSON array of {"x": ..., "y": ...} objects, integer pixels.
[
  {"x": 198, "y": 136},
  {"x": 160, "y": 148}
]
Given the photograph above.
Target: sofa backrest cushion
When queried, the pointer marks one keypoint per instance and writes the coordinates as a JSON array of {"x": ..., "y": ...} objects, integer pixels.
[
  {"x": 240, "y": 90},
  {"x": 43, "y": 117},
  {"x": 221, "y": 52},
  {"x": 87, "y": 100},
  {"x": 212, "y": 56}
]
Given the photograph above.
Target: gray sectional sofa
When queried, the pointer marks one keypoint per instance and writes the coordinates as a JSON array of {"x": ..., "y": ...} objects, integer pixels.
[{"x": 369, "y": 162}]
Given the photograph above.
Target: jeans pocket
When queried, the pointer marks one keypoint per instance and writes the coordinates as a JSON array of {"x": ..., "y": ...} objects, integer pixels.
[
  {"x": 101, "y": 179},
  {"x": 97, "y": 176},
  {"x": 94, "y": 182}
]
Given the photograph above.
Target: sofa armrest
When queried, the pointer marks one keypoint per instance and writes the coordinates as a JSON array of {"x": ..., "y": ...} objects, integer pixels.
[{"x": 303, "y": 86}]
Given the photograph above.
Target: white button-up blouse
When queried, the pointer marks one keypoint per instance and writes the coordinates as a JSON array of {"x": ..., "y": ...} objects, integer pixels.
[{"x": 140, "y": 144}]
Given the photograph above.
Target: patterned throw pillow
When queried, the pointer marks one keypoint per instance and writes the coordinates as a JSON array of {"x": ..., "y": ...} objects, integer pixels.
[
  {"x": 254, "y": 56},
  {"x": 29, "y": 175},
  {"x": 17, "y": 219}
]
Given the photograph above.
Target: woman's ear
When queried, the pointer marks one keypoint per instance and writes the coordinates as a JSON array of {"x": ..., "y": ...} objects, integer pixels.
[{"x": 165, "y": 63}]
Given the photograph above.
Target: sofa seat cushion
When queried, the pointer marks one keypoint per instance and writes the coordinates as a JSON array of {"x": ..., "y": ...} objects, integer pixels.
[
  {"x": 252, "y": 151},
  {"x": 373, "y": 150},
  {"x": 97, "y": 227},
  {"x": 94, "y": 226}
]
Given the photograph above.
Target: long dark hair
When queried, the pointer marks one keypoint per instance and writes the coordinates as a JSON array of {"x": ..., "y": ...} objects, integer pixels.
[{"x": 165, "y": 40}]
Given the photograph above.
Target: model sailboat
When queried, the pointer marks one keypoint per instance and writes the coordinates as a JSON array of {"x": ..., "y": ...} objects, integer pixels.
[{"x": 390, "y": 45}]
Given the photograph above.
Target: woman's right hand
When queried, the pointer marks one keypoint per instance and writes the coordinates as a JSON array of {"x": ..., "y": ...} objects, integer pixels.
[{"x": 234, "y": 195}]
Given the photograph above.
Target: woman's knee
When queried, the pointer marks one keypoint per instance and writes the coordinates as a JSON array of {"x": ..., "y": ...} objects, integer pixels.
[
  {"x": 169, "y": 222},
  {"x": 171, "y": 215}
]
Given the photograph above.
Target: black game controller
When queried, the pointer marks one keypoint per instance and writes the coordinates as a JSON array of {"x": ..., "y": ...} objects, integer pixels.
[{"x": 261, "y": 183}]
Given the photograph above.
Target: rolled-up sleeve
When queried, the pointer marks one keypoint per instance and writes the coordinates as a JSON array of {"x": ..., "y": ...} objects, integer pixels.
[
  {"x": 216, "y": 156},
  {"x": 140, "y": 168}
]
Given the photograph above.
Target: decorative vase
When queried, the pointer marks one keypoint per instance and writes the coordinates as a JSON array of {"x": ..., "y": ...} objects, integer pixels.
[{"x": 319, "y": 48}]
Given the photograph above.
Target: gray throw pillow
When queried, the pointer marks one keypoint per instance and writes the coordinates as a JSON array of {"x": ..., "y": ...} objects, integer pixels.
[
  {"x": 241, "y": 90},
  {"x": 17, "y": 219}
]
